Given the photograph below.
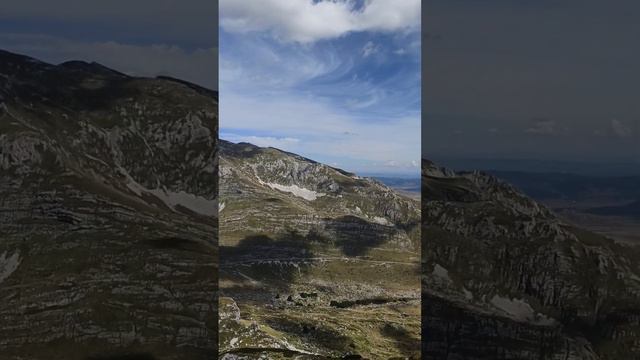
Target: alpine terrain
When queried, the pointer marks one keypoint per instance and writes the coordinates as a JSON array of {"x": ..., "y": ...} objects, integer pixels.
[
  {"x": 108, "y": 214},
  {"x": 504, "y": 278},
  {"x": 316, "y": 262}
]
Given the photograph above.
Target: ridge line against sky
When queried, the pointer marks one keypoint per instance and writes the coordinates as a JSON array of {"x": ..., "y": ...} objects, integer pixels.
[
  {"x": 335, "y": 81},
  {"x": 178, "y": 38}
]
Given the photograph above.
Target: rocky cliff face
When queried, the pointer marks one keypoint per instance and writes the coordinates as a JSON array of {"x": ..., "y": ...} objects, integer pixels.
[
  {"x": 108, "y": 213},
  {"x": 316, "y": 261},
  {"x": 504, "y": 278},
  {"x": 311, "y": 197}
]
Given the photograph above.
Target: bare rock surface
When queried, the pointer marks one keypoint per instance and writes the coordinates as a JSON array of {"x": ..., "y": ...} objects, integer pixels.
[
  {"x": 108, "y": 214},
  {"x": 504, "y": 278}
]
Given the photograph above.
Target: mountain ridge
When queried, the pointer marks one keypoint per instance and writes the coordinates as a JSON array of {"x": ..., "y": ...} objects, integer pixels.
[
  {"x": 495, "y": 259},
  {"x": 108, "y": 190},
  {"x": 304, "y": 247}
]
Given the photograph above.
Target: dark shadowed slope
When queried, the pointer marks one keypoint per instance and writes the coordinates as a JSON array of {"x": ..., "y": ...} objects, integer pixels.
[
  {"x": 108, "y": 214},
  {"x": 504, "y": 278}
]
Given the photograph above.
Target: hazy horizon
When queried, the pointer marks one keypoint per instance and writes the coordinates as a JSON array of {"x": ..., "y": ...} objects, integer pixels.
[
  {"x": 150, "y": 39},
  {"x": 536, "y": 165},
  {"x": 541, "y": 80}
]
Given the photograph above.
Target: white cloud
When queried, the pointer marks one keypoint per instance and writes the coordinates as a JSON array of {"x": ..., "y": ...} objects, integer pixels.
[
  {"x": 321, "y": 129},
  {"x": 542, "y": 127},
  {"x": 402, "y": 164},
  {"x": 264, "y": 141},
  {"x": 620, "y": 129},
  {"x": 276, "y": 85},
  {"x": 306, "y": 21},
  {"x": 369, "y": 49},
  {"x": 198, "y": 66},
  {"x": 374, "y": 96},
  {"x": 256, "y": 64}
]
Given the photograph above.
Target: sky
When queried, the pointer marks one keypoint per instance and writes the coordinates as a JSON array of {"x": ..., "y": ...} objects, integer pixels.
[
  {"x": 334, "y": 81},
  {"x": 547, "y": 80},
  {"x": 176, "y": 38}
]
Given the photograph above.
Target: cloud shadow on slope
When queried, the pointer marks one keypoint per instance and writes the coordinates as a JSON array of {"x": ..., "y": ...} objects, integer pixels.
[
  {"x": 356, "y": 236},
  {"x": 262, "y": 258}
]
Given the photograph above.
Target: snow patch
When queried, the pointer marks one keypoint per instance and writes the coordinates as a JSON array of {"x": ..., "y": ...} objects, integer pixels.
[
  {"x": 519, "y": 310},
  {"x": 8, "y": 265},
  {"x": 441, "y": 272},
  {"x": 195, "y": 203},
  {"x": 192, "y": 202},
  {"x": 306, "y": 194},
  {"x": 467, "y": 294},
  {"x": 381, "y": 221}
]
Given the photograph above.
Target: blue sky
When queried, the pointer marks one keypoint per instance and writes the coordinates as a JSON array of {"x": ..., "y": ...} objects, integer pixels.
[{"x": 335, "y": 81}]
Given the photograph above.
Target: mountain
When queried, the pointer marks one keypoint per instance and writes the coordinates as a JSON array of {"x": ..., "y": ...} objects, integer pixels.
[
  {"x": 593, "y": 168},
  {"x": 602, "y": 204},
  {"x": 406, "y": 186},
  {"x": 504, "y": 278},
  {"x": 108, "y": 214},
  {"x": 315, "y": 261}
]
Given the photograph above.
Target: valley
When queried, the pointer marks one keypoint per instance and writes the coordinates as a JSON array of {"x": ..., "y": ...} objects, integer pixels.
[
  {"x": 604, "y": 204},
  {"x": 316, "y": 262}
]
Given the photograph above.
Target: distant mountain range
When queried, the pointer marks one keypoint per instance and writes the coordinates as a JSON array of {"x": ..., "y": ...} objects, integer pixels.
[
  {"x": 592, "y": 168},
  {"x": 504, "y": 278},
  {"x": 316, "y": 261},
  {"x": 108, "y": 213},
  {"x": 572, "y": 187},
  {"x": 400, "y": 183}
]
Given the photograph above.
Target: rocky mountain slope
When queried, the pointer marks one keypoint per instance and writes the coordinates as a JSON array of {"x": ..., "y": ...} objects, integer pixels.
[
  {"x": 108, "y": 214},
  {"x": 315, "y": 261},
  {"x": 504, "y": 278}
]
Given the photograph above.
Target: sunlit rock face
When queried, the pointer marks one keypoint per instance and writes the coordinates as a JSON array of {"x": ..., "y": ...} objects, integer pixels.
[
  {"x": 108, "y": 213},
  {"x": 316, "y": 262},
  {"x": 504, "y": 278}
]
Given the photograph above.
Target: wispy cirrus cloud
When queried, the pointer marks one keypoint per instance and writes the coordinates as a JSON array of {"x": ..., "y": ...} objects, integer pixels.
[
  {"x": 542, "y": 126},
  {"x": 620, "y": 129},
  {"x": 348, "y": 98},
  {"x": 306, "y": 21}
]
